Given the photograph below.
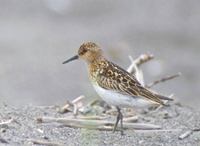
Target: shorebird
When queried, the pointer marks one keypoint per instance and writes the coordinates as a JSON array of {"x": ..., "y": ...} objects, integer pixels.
[{"x": 115, "y": 85}]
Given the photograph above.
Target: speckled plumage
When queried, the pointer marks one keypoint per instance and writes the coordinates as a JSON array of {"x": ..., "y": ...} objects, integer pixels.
[{"x": 112, "y": 77}]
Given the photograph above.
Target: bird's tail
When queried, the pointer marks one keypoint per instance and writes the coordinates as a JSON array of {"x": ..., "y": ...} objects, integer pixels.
[
  {"x": 164, "y": 97},
  {"x": 155, "y": 97}
]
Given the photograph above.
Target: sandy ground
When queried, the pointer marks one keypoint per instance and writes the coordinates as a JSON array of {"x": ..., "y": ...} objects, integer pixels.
[{"x": 175, "y": 120}]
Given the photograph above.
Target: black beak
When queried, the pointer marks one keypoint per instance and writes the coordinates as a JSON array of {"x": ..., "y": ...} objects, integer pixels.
[{"x": 71, "y": 59}]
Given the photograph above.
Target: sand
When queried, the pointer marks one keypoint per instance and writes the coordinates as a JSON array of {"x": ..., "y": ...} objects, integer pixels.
[{"x": 24, "y": 129}]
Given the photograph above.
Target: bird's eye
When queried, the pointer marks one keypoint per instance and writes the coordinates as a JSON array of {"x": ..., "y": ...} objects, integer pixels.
[{"x": 82, "y": 51}]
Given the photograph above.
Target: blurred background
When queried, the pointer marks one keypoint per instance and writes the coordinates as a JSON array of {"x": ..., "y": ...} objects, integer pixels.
[{"x": 37, "y": 36}]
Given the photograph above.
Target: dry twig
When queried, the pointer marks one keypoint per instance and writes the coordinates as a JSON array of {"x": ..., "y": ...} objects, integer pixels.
[
  {"x": 134, "y": 68},
  {"x": 163, "y": 80},
  {"x": 46, "y": 143},
  {"x": 131, "y": 119},
  {"x": 188, "y": 133},
  {"x": 97, "y": 124},
  {"x": 76, "y": 104},
  {"x": 141, "y": 59},
  {"x": 185, "y": 134},
  {"x": 6, "y": 122},
  {"x": 92, "y": 117}
]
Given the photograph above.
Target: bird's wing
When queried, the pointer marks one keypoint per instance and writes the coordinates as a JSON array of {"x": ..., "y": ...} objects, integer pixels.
[{"x": 113, "y": 77}]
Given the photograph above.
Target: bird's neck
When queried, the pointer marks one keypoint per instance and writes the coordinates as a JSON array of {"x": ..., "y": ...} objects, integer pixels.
[{"x": 95, "y": 67}]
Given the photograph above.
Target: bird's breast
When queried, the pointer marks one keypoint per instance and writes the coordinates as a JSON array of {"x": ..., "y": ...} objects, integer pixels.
[{"x": 94, "y": 72}]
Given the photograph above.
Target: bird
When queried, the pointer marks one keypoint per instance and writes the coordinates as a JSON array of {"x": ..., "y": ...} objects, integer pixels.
[{"x": 114, "y": 85}]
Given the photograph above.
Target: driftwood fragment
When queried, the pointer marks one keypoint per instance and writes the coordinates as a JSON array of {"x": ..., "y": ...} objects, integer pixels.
[
  {"x": 6, "y": 122},
  {"x": 46, "y": 143},
  {"x": 131, "y": 119},
  {"x": 185, "y": 135},
  {"x": 135, "y": 69},
  {"x": 188, "y": 133},
  {"x": 97, "y": 124},
  {"x": 138, "y": 61},
  {"x": 75, "y": 104}
]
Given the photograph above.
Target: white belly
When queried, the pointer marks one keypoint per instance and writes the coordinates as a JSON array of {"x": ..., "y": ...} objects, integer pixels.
[{"x": 117, "y": 99}]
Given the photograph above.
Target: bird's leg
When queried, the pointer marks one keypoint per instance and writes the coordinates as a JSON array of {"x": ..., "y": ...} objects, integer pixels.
[
  {"x": 117, "y": 121},
  {"x": 121, "y": 122},
  {"x": 119, "y": 118}
]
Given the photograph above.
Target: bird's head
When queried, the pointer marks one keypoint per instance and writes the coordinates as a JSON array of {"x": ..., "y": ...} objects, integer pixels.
[{"x": 88, "y": 51}]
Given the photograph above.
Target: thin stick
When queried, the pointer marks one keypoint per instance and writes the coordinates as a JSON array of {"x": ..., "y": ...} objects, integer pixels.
[
  {"x": 76, "y": 103},
  {"x": 185, "y": 134},
  {"x": 163, "y": 80},
  {"x": 196, "y": 129},
  {"x": 131, "y": 119},
  {"x": 137, "y": 62},
  {"x": 46, "y": 143},
  {"x": 92, "y": 117},
  {"x": 161, "y": 130},
  {"x": 142, "y": 59},
  {"x": 188, "y": 133},
  {"x": 136, "y": 71},
  {"x": 97, "y": 124},
  {"x": 6, "y": 122},
  {"x": 86, "y": 117},
  {"x": 78, "y": 99}
]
